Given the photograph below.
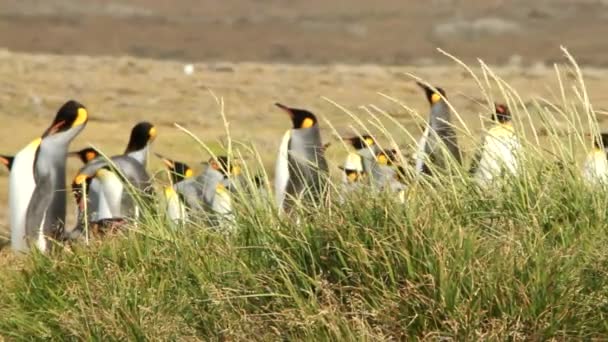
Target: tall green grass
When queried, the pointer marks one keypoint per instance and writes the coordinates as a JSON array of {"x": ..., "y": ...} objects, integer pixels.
[{"x": 526, "y": 259}]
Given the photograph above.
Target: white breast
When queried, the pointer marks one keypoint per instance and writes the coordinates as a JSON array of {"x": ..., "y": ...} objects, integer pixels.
[
  {"x": 282, "y": 170},
  {"x": 595, "y": 168},
  {"x": 175, "y": 208},
  {"x": 112, "y": 189},
  {"x": 499, "y": 154},
  {"x": 21, "y": 187}
]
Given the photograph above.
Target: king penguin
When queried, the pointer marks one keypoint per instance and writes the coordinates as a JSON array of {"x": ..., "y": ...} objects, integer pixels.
[
  {"x": 439, "y": 136},
  {"x": 46, "y": 211},
  {"x": 130, "y": 167},
  {"x": 301, "y": 169},
  {"x": 499, "y": 151},
  {"x": 174, "y": 199},
  {"x": 595, "y": 167}
]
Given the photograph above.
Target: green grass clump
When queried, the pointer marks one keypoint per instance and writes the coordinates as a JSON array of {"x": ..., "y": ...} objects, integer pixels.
[
  {"x": 477, "y": 265},
  {"x": 525, "y": 259}
]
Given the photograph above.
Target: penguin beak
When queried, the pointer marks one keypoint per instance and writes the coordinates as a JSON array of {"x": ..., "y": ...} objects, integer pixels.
[
  {"x": 423, "y": 86},
  {"x": 286, "y": 109},
  {"x": 54, "y": 129},
  {"x": 165, "y": 161}
]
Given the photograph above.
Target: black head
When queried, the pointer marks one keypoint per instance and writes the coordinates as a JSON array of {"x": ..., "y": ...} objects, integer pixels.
[
  {"x": 431, "y": 95},
  {"x": 361, "y": 142},
  {"x": 7, "y": 161},
  {"x": 299, "y": 117},
  {"x": 601, "y": 141},
  {"x": 86, "y": 154},
  {"x": 179, "y": 171},
  {"x": 501, "y": 114},
  {"x": 220, "y": 163},
  {"x": 70, "y": 115},
  {"x": 141, "y": 135}
]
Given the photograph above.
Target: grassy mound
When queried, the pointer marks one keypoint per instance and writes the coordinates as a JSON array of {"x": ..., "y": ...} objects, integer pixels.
[{"x": 526, "y": 259}]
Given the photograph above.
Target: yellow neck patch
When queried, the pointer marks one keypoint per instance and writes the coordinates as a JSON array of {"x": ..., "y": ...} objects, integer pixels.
[
  {"x": 307, "y": 123},
  {"x": 382, "y": 159},
  {"x": 352, "y": 177},
  {"x": 90, "y": 156},
  {"x": 81, "y": 117},
  {"x": 369, "y": 141},
  {"x": 435, "y": 98},
  {"x": 81, "y": 178},
  {"x": 152, "y": 133},
  {"x": 189, "y": 173}
]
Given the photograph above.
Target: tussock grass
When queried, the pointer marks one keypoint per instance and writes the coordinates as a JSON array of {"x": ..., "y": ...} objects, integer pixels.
[{"x": 525, "y": 259}]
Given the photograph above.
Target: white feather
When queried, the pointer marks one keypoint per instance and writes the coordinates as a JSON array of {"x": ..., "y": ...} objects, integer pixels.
[
  {"x": 112, "y": 189},
  {"x": 420, "y": 155},
  {"x": 282, "y": 171},
  {"x": 21, "y": 188},
  {"x": 175, "y": 208},
  {"x": 499, "y": 154},
  {"x": 595, "y": 168}
]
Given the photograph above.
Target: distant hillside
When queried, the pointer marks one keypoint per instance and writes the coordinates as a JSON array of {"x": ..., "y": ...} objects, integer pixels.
[{"x": 304, "y": 31}]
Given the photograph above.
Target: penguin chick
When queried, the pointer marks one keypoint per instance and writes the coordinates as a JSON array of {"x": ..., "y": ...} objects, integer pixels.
[
  {"x": 595, "y": 166},
  {"x": 438, "y": 143},
  {"x": 46, "y": 212},
  {"x": 498, "y": 155},
  {"x": 301, "y": 169}
]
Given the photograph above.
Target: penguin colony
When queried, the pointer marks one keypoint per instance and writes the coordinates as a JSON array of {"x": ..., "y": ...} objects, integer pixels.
[{"x": 112, "y": 190}]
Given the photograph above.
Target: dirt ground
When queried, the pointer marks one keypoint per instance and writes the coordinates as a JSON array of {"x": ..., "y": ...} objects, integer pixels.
[{"x": 311, "y": 31}]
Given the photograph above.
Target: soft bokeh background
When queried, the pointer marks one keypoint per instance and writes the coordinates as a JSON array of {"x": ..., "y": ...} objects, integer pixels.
[{"x": 124, "y": 59}]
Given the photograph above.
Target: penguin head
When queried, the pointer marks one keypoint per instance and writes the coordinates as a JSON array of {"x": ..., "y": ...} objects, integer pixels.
[
  {"x": 86, "y": 154},
  {"x": 70, "y": 118},
  {"x": 431, "y": 95},
  {"x": 142, "y": 134},
  {"x": 601, "y": 141},
  {"x": 501, "y": 114},
  {"x": 179, "y": 171},
  {"x": 7, "y": 161},
  {"x": 220, "y": 163},
  {"x": 361, "y": 142},
  {"x": 300, "y": 118}
]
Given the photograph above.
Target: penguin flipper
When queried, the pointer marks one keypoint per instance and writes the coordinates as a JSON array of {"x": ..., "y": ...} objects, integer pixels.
[{"x": 36, "y": 211}]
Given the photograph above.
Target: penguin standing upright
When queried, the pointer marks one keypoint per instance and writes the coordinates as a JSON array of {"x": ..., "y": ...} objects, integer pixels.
[
  {"x": 301, "y": 168},
  {"x": 595, "y": 167},
  {"x": 438, "y": 143},
  {"x": 46, "y": 212},
  {"x": 174, "y": 199},
  {"x": 499, "y": 151},
  {"x": 21, "y": 187}
]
